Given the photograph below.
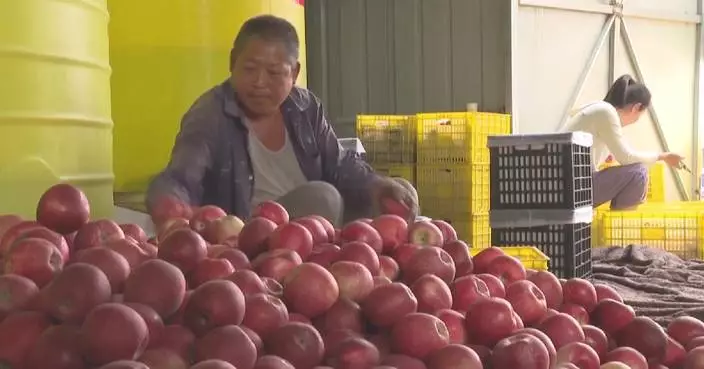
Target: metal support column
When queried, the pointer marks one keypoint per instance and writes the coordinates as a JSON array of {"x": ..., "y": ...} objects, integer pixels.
[
  {"x": 698, "y": 116},
  {"x": 653, "y": 115}
]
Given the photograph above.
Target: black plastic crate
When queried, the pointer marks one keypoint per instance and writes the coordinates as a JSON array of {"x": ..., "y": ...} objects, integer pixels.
[
  {"x": 565, "y": 238},
  {"x": 547, "y": 171}
]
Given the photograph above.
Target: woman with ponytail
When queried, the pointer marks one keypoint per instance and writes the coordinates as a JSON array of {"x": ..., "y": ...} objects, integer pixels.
[{"x": 624, "y": 185}]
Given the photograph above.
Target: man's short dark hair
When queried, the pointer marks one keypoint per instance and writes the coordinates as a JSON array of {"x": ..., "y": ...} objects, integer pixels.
[{"x": 269, "y": 28}]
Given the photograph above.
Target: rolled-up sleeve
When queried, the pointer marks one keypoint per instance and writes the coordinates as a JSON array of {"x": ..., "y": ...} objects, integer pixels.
[
  {"x": 347, "y": 172},
  {"x": 191, "y": 156}
]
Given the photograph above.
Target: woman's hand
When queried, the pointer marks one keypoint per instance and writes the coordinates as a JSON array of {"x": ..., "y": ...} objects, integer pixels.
[
  {"x": 672, "y": 159},
  {"x": 395, "y": 196}
]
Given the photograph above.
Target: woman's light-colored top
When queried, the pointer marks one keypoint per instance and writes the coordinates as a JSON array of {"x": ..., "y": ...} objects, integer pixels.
[{"x": 602, "y": 121}]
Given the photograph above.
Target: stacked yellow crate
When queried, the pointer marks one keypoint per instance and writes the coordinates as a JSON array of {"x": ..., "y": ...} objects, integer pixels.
[
  {"x": 676, "y": 227},
  {"x": 390, "y": 143},
  {"x": 452, "y": 170}
]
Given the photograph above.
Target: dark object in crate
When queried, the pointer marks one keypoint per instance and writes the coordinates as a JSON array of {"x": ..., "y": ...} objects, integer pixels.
[
  {"x": 565, "y": 236},
  {"x": 547, "y": 171}
]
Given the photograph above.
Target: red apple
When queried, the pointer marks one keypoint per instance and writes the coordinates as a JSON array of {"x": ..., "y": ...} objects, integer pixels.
[
  {"x": 316, "y": 229},
  {"x": 404, "y": 253},
  {"x": 552, "y": 353},
  {"x": 292, "y": 236},
  {"x": 353, "y": 279},
  {"x": 562, "y": 330},
  {"x": 204, "y": 215},
  {"x": 254, "y": 235},
  {"x": 580, "y": 292},
  {"x": 454, "y": 356},
  {"x": 510, "y": 353},
  {"x": 432, "y": 293},
  {"x": 42, "y": 232},
  {"x": 429, "y": 260},
  {"x": 14, "y": 232},
  {"x": 579, "y": 354},
  {"x": 389, "y": 267},
  {"x": 168, "y": 226},
  {"x": 134, "y": 231},
  {"x": 214, "y": 304},
  {"x": 455, "y": 323},
  {"x": 130, "y": 250},
  {"x": 218, "y": 231},
  {"x": 276, "y": 264},
  {"x": 114, "y": 265},
  {"x": 551, "y": 287},
  {"x": 596, "y": 338},
  {"x": 507, "y": 268},
  {"x": 325, "y": 254},
  {"x": 448, "y": 232},
  {"x": 419, "y": 335},
  {"x": 527, "y": 300},
  {"x": 628, "y": 356},
  {"x": 63, "y": 208},
  {"x": 426, "y": 234},
  {"x": 362, "y": 253},
  {"x": 606, "y": 292},
  {"x": 388, "y": 303},
  {"x": 209, "y": 269},
  {"x": 576, "y": 311},
  {"x": 235, "y": 256},
  {"x": 184, "y": 248},
  {"x": 329, "y": 228},
  {"x": 169, "y": 207},
  {"x": 17, "y": 294},
  {"x": 271, "y": 210},
  {"x": 362, "y": 232},
  {"x": 611, "y": 316},
  {"x": 97, "y": 233},
  {"x": 345, "y": 314},
  {"x": 34, "y": 258},
  {"x": 489, "y": 320},
  {"x": 393, "y": 231},
  {"x": 7, "y": 222},
  {"x": 459, "y": 251},
  {"x": 496, "y": 287},
  {"x": 310, "y": 290},
  {"x": 646, "y": 336},
  {"x": 484, "y": 258},
  {"x": 466, "y": 291},
  {"x": 685, "y": 328},
  {"x": 694, "y": 359}
]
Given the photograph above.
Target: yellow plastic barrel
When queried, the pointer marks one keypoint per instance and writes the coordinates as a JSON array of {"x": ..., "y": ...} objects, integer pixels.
[
  {"x": 55, "y": 120},
  {"x": 164, "y": 54}
]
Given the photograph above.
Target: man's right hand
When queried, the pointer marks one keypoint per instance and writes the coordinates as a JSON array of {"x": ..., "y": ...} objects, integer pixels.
[{"x": 672, "y": 159}]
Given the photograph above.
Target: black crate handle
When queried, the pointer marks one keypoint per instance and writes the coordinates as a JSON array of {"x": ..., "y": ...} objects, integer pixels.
[
  {"x": 531, "y": 147},
  {"x": 444, "y": 122}
]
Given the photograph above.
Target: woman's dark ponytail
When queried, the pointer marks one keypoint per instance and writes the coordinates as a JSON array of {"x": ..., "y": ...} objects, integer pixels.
[{"x": 626, "y": 91}]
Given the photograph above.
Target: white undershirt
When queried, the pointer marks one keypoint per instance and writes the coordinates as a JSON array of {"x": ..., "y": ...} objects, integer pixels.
[
  {"x": 276, "y": 173},
  {"x": 602, "y": 120}
]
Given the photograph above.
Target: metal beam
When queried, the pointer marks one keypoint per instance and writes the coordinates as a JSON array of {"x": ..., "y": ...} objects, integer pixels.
[
  {"x": 613, "y": 41},
  {"x": 608, "y": 9},
  {"x": 514, "y": 63},
  {"x": 653, "y": 114},
  {"x": 698, "y": 116},
  {"x": 587, "y": 69}
]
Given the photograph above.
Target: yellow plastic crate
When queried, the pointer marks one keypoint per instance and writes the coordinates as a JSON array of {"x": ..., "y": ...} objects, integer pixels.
[
  {"x": 407, "y": 172},
  {"x": 458, "y": 138},
  {"x": 388, "y": 138},
  {"x": 454, "y": 189},
  {"x": 674, "y": 227},
  {"x": 474, "y": 229},
  {"x": 530, "y": 257}
]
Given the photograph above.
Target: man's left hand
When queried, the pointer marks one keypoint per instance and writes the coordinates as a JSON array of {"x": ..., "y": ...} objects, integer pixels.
[{"x": 395, "y": 196}]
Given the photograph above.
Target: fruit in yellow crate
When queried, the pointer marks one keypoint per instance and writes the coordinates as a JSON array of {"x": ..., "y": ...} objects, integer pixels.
[
  {"x": 362, "y": 232},
  {"x": 354, "y": 280},
  {"x": 527, "y": 301},
  {"x": 562, "y": 330},
  {"x": 510, "y": 352},
  {"x": 271, "y": 210},
  {"x": 34, "y": 258},
  {"x": 578, "y": 353},
  {"x": 134, "y": 231},
  {"x": 425, "y": 233},
  {"x": 63, "y": 208},
  {"x": 628, "y": 356},
  {"x": 183, "y": 248},
  {"x": 393, "y": 230}
]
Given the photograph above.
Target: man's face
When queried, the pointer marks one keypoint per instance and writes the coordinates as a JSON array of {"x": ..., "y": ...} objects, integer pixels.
[{"x": 263, "y": 75}]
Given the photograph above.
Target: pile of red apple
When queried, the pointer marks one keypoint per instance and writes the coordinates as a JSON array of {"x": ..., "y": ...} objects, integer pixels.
[{"x": 212, "y": 292}]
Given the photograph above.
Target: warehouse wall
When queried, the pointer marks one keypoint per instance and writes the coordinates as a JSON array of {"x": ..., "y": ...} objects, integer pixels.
[{"x": 406, "y": 56}]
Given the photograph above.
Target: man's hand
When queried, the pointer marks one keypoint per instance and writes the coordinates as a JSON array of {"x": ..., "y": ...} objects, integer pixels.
[
  {"x": 169, "y": 207},
  {"x": 672, "y": 159},
  {"x": 395, "y": 196}
]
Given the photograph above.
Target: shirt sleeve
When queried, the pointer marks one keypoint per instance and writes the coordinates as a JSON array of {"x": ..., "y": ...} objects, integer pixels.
[{"x": 610, "y": 132}]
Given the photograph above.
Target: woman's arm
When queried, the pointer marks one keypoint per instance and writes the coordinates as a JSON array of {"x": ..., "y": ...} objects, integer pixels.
[{"x": 609, "y": 130}]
